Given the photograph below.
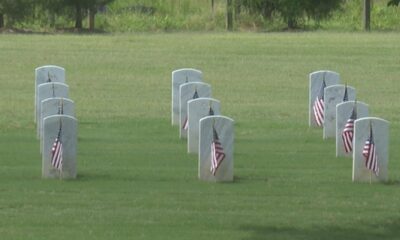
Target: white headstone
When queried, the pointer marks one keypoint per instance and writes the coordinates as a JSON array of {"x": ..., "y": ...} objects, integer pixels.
[
  {"x": 197, "y": 109},
  {"x": 224, "y": 129},
  {"x": 380, "y": 130},
  {"x": 51, "y": 127},
  {"x": 333, "y": 95},
  {"x": 180, "y": 76},
  {"x": 44, "y": 74},
  {"x": 54, "y": 106},
  {"x": 316, "y": 79},
  {"x": 343, "y": 113},
  {"x": 187, "y": 92},
  {"x": 49, "y": 90}
]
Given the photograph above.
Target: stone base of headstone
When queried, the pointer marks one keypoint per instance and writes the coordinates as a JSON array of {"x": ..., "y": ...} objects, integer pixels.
[
  {"x": 224, "y": 127},
  {"x": 380, "y": 129},
  {"x": 51, "y": 127}
]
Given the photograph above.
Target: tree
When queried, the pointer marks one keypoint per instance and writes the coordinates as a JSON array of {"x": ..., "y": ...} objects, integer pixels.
[
  {"x": 393, "y": 3},
  {"x": 76, "y": 9},
  {"x": 366, "y": 15},
  {"x": 293, "y": 11},
  {"x": 14, "y": 11}
]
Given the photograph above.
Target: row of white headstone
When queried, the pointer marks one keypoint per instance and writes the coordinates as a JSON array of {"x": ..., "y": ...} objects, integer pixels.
[
  {"x": 55, "y": 120},
  {"x": 339, "y": 103},
  {"x": 199, "y": 118}
]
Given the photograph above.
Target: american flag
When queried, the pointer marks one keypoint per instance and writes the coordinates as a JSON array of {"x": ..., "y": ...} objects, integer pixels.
[
  {"x": 211, "y": 112},
  {"x": 348, "y": 131},
  {"x": 185, "y": 125},
  {"x": 369, "y": 153},
  {"x": 217, "y": 153},
  {"x": 346, "y": 95},
  {"x": 318, "y": 107},
  {"x": 57, "y": 152}
]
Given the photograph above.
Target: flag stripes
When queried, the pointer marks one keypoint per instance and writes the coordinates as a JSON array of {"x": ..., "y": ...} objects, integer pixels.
[
  {"x": 348, "y": 131},
  {"x": 370, "y": 155},
  {"x": 318, "y": 107},
  {"x": 319, "y": 111},
  {"x": 347, "y": 135},
  {"x": 217, "y": 153},
  {"x": 57, "y": 152},
  {"x": 185, "y": 125}
]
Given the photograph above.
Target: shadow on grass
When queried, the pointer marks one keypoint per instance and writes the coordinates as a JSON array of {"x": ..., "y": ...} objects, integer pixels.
[
  {"x": 241, "y": 179},
  {"x": 357, "y": 231}
]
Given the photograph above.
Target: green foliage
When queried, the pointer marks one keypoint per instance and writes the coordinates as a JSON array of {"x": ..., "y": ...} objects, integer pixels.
[
  {"x": 394, "y": 3},
  {"x": 16, "y": 11},
  {"x": 191, "y": 15},
  {"x": 294, "y": 12},
  {"x": 348, "y": 18},
  {"x": 135, "y": 179}
]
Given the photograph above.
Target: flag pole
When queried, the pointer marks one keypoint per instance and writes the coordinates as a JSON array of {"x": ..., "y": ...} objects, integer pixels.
[
  {"x": 370, "y": 177},
  {"x": 60, "y": 170},
  {"x": 370, "y": 172}
]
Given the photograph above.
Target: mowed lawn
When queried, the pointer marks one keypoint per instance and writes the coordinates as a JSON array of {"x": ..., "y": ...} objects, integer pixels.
[{"x": 135, "y": 179}]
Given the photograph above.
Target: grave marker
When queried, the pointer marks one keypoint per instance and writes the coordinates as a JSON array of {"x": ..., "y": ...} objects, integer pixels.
[
  {"x": 363, "y": 129},
  {"x": 189, "y": 91},
  {"x": 181, "y": 76},
  {"x": 343, "y": 113},
  {"x": 54, "y": 106},
  {"x": 68, "y": 138},
  {"x": 334, "y": 94},
  {"x": 197, "y": 109},
  {"x": 45, "y": 74},
  {"x": 210, "y": 128},
  {"x": 49, "y": 90},
  {"x": 316, "y": 80}
]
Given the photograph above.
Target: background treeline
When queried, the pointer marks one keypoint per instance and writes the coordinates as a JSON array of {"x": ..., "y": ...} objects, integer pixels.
[{"x": 205, "y": 15}]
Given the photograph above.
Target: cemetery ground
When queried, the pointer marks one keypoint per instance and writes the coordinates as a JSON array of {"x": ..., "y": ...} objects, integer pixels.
[{"x": 135, "y": 179}]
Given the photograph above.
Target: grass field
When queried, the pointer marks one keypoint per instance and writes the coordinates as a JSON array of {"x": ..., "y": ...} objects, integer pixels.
[{"x": 135, "y": 179}]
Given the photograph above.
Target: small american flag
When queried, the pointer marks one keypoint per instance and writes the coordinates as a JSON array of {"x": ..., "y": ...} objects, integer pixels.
[
  {"x": 217, "y": 153},
  {"x": 346, "y": 95},
  {"x": 318, "y": 107},
  {"x": 57, "y": 152},
  {"x": 185, "y": 125},
  {"x": 348, "y": 131},
  {"x": 369, "y": 153},
  {"x": 211, "y": 112}
]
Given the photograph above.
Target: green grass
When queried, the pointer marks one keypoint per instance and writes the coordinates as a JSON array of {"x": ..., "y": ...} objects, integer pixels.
[{"x": 135, "y": 179}]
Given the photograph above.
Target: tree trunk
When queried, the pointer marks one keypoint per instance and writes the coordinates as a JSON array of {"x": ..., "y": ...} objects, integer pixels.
[
  {"x": 92, "y": 13},
  {"x": 1, "y": 20},
  {"x": 292, "y": 23},
  {"x": 367, "y": 15},
  {"x": 213, "y": 8},
  {"x": 238, "y": 8},
  {"x": 78, "y": 17},
  {"x": 229, "y": 15}
]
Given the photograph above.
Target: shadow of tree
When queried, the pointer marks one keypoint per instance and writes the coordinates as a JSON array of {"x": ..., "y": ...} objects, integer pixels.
[{"x": 390, "y": 230}]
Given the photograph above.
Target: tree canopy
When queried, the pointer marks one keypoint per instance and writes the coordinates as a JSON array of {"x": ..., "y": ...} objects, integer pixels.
[
  {"x": 293, "y": 11},
  {"x": 394, "y": 3}
]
